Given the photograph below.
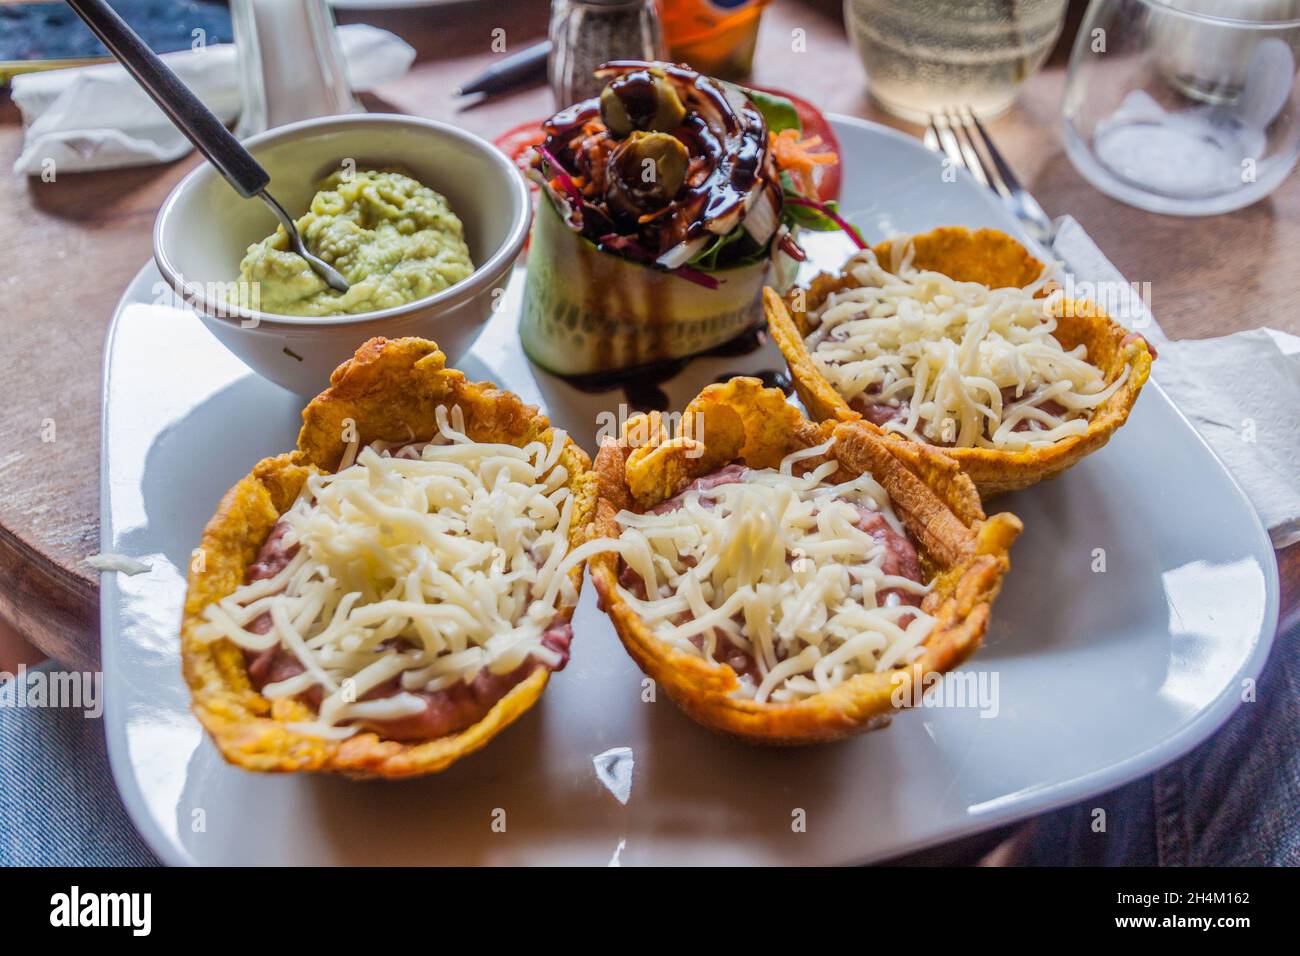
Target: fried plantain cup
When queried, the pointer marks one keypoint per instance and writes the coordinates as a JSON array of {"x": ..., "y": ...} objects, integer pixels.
[
  {"x": 962, "y": 551},
  {"x": 994, "y": 259},
  {"x": 390, "y": 391}
]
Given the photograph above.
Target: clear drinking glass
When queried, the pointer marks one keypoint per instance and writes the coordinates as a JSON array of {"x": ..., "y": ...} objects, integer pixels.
[
  {"x": 924, "y": 55},
  {"x": 1173, "y": 106}
]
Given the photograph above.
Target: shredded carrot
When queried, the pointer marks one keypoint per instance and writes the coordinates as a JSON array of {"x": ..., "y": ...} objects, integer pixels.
[{"x": 793, "y": 155}]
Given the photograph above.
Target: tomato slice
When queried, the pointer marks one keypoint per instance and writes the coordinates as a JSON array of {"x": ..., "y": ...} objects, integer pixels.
[
  {"x": 814, "y": 123},
  {"x": 518, "y": 143}
]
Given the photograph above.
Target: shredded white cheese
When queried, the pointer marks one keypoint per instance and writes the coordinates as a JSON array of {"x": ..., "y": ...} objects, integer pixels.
[
  {"x": 776, "y": 566},
  {"x": 942, "y": 352},
  {"x": 426, "y": 563},
  {"x": 112, "y": 561}
]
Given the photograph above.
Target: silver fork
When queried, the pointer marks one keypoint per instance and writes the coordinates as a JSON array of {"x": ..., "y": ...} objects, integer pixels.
[{"x": 953, "y": 133}]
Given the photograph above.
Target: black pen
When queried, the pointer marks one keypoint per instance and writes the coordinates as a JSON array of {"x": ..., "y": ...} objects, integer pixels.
[{"x": 514, "y": 70}]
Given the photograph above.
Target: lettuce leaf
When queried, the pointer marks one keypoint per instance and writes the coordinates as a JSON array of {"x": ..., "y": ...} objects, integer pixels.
[
  {"x": 734, "y": 249},
  {"x": 805, "y": 216},
  {"x": 778, "y": 112}
]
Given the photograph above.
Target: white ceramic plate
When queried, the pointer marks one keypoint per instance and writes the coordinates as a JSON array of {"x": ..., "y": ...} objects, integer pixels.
[{"x": 1101, "y": 676}]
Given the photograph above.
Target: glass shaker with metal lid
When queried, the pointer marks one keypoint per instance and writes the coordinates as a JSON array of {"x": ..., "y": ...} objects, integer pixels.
[{"x": 587, "y": 33}]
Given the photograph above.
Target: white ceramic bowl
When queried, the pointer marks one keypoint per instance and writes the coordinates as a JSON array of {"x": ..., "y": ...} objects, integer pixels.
[{"x": 205, "y": 227}]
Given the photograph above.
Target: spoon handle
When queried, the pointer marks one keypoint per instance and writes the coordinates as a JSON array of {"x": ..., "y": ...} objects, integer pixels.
[{"x": 182, "y": 107}]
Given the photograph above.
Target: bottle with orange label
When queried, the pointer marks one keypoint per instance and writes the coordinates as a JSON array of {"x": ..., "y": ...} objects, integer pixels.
[{"x": 716, "y": 37}]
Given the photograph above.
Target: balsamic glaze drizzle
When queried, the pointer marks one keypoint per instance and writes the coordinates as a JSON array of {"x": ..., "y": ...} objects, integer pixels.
[{"x": 642, "y": 384}]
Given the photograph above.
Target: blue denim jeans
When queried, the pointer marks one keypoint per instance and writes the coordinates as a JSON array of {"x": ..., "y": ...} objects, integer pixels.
[
  {"x": 1235, "y": 799},
  {"x": 58, "y": 804},
  {"x": 1232, "y": 801}
]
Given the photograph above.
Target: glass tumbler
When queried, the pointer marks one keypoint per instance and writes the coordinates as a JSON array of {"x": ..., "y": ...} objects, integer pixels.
[
  {"x": 1185, "y": 107},
  {"x": 922, "y": 56}
]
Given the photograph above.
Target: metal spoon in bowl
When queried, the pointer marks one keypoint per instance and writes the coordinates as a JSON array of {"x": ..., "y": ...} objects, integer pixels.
[{"x": 196, "y": 121}]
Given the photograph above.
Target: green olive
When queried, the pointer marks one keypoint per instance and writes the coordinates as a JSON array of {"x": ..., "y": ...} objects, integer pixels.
[
  {"x": 614, "y": 113},
  {"x": 654, "y": 164},
  {"x": 640, "y": 101},
  {"x": 669, "y": 111}
]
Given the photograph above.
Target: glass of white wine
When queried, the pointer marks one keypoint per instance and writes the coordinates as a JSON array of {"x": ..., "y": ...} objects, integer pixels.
[
  {"x": 924, "y": 55},
  {"x": 1185, "y": 107}
]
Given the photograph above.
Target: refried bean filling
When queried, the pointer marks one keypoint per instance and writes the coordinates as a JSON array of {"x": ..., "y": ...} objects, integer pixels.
[
  {"x": 896, "y": 410},
  {"x": 900, "y": 559},
  {"x": 446, "y": 711}
]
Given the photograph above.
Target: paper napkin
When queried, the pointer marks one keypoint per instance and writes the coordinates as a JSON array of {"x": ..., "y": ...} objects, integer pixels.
[
  {"x": 96, "y": 117},
  {"x": 1240, "y": 391}
]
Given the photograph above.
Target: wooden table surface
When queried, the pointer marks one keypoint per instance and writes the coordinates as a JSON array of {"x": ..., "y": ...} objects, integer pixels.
[{"x": 73, "y": 244}]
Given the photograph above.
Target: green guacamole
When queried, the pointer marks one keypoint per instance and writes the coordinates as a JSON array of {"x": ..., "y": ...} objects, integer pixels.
[{"x": 394, "y": 240}]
